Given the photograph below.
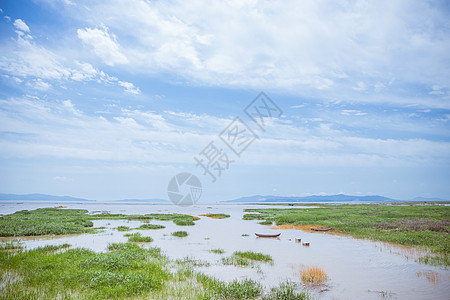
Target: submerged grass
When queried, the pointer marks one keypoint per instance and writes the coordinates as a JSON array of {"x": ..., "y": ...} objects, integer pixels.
[
  {"x": 246, "y": 259},
  {"x": 138, "y": 238},
  {"x": 414, "y": 225},
  {"x": 52, "y": 221},
  {"x": 217, "y": 251},
  {"x": 150, "y": 226},
  {"x": 180, "y": 234},
  {"x": 123, "y": 228}
]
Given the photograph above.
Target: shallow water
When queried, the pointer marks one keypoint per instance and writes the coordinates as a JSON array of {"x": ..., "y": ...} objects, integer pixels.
[{"x": 357, "y": 269}]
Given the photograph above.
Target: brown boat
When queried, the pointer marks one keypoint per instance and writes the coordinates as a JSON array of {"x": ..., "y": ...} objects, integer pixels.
[
  {"x": 268, "y": 235},
  {"x": 321, "y": 229}
]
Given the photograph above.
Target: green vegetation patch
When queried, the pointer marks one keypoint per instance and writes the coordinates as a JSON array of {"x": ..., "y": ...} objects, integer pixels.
[
  {"x": 138, "y": 238},
  {"x": 127, "y": 270},
  {"x": 180, "y": 234},
  {"x": 246, "y": 259},
  {"x": 286, "y": 291},
  {"x": 150, "y": 226},
  {"x": 237, "y": 289},
  {"x": 52, "y": 221},
  {"x": 217, "y": 251},
  {"x": 45, "y": 221},
  {"x": 123, "y": 228},
  {"x": 425, "y": 226}
]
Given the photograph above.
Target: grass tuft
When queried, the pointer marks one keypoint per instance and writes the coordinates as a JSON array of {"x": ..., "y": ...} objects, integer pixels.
[
  {"x": 150, "y": 226},
  {"x": 216, "y": 216},
  {"x": 217, "y": 251},
  {"x": 123, "y": 228},
  {"x": 180, "y": 234},
  {"x": 313, "y": 275},
  {"x": 137, "y": 238}
]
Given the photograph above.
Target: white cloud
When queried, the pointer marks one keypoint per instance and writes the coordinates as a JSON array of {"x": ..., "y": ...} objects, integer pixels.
[
  {"x": 21, "y": 25},
  {"x": 104, "y": 44},
  {"x": 129, "y": 87}
]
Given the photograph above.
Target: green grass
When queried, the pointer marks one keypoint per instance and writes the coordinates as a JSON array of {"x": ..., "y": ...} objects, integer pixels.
[
  {"x": 180, "y": 234},
  {"x": 123, "y": 228},
  {"x": 413, "y": 225},
  {"x": 244, "y": 234},
  {"x": 253, "y": 256},
  {"x": 246, "y": 259},
  {"x": 216, "y": 216},
  {"x": 52, "y": 221},
  {"x": 11, "y": 245},
  {"x": 286, "y": 291},
  {"x": 237, "y": 289},
  {"x": 127, "y": 270},
  {"x": 45, "y": 221},
  {"x": 138, "y": 238},
  {"x": 217, "y": 251},
  {"x": 150, "y": 226}
]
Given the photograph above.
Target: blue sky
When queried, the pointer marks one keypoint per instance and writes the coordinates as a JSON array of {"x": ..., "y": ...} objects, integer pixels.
[{"x": 110, "y": 99}]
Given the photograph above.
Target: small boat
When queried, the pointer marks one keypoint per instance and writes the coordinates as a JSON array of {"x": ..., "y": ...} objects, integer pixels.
[
  {"x": 297, "y": 240},
  {"x": 268, "y": 235},
  {"x": 321, "y": 229},
  {"x": 305, "y": 244}
]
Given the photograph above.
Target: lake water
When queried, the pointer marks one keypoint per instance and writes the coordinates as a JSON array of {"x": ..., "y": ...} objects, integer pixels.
[{"x": 357, "y": 269}]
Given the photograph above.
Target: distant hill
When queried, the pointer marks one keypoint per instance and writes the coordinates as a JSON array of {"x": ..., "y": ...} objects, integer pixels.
[
  {"x": 44, "y": 197},
  {"x": 142, "y": 200},
  {"x": 39, "y": 197},
  {"x": 314, "y": 198}
]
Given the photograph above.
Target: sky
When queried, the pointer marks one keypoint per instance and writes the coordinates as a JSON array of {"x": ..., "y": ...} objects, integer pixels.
[{"x": 110, "y": 99}]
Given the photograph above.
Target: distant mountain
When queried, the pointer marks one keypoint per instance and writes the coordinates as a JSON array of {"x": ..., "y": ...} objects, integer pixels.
[
  {"x": 39, "y": 197},
  {"x": 424, "y": 199},
  {"x": 142, "y": 200},
  {"x": 314, "y": 198},
  {"x": 44, "y": 197}
]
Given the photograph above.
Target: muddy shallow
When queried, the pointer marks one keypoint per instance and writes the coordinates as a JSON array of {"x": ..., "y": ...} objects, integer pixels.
[{"x": 357, "y": 269}]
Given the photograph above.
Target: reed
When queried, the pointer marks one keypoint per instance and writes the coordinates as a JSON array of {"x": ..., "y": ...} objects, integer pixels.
[{"x": 313, "y": 275}]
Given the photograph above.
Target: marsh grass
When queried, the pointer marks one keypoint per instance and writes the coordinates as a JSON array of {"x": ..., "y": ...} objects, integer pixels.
[
  {"x": 138, "y": 238},
  {"x": 123, "y": 228},
  {"x": 246, "y": 259},
  {"x": 286, "y": 291},
  {"x": 52, "y": 221},
  {"x": 217, "y": 251},
  {"x": 414, "y": 225},
  {"x": 180, "y": 234},
  {"x": 216, "y": 216},
  {"x": 127, "y": 270},
  {"x": 150, "y": 226},
  {"x": 45, "y": 221},
  {"x": 313, "y": 275},
  {"x": 11, "y": 245},
  {"x": 266, "y": 222}
]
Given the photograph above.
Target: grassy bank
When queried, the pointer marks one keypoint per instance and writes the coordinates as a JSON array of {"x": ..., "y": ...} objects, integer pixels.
[
  {"x": 125, "y": 271},
  {"x": 422, "y": 226},
  {"x": 49, "y": 221}
]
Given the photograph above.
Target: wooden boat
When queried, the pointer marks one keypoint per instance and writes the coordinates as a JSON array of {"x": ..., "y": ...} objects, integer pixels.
[
  {"x": 297, "y": 240},
  {"x": 305, "y": 244},
  {"x": 268, "y": 235},
  {"x": 321, "y": 229}
]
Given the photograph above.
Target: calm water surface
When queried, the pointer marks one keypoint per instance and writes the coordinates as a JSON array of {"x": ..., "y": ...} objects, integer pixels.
[{"x": 357, "y": 269}]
